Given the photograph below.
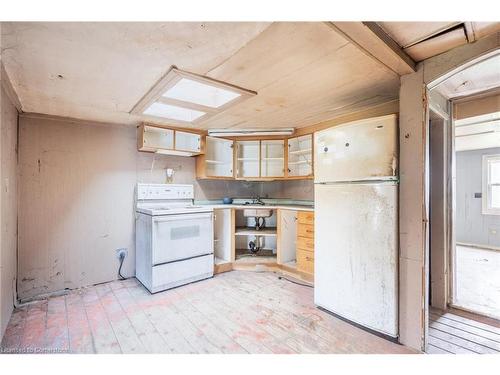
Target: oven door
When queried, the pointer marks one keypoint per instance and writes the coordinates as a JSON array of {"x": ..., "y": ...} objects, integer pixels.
[{"x": 177, "y": 237}]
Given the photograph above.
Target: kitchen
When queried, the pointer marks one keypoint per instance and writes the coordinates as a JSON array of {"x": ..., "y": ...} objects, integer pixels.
[{"x": 214, "y": 191}]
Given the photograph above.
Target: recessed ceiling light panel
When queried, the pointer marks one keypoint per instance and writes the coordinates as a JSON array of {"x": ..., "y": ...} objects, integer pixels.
[
  {"x": 192, "y": 91},
  {"x": 186, "y": 98},
  {"x": 173, "y": 112}
]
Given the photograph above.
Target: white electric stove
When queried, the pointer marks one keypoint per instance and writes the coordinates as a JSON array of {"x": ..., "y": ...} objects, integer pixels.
[{"x": 174, "y": 238}]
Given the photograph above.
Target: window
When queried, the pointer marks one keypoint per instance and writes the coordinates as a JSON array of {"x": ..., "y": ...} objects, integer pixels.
[
  {"x": 491, "y": 185},
  {"x": 187, "y": 98}
]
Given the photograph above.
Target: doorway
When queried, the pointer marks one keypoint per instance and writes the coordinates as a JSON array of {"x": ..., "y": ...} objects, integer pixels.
[
  {"x": 463, "y": 313},
  {"x": 476, "y": 266}
]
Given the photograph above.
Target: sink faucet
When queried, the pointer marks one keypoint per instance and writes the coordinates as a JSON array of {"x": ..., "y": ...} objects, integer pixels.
[{"x": 257, "y": 200}]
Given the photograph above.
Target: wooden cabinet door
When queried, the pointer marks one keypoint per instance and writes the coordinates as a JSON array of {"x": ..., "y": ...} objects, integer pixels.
[
  {"x": 219, "y": 157},
  {"x": 300, "y": 156}
]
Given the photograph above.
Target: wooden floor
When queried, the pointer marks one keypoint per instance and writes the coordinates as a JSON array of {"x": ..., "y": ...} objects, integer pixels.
[
  {"x": 235, "y": 312},
  {"x": 478, "y": 280},
  {"x": 454, "y": 334}
]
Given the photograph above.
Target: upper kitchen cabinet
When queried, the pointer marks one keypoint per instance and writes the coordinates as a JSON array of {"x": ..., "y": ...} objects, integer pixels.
[
  {"x": 185, "y": 141},
  {"x": 151, "y": 138},
  {"x": 217, "y": 162},
  {"x": 272, "y": 162},
  {"x": 168, "y": 141},
  {"x": 247, "y": 159},
  {"x": 300, "y": 161}
]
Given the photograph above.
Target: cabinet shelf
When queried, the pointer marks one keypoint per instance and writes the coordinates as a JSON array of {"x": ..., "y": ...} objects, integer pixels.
[
  {"x": 248, "y": 231},
  {"x": 299, "y": 162},
  {"x": 273, "y": 159},
  {"x": 217, "y": 162},
  {"x": 300, "y": 152}
]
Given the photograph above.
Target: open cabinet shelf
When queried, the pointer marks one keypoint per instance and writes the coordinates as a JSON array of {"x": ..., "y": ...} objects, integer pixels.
[{"x": 245, "y": 231}]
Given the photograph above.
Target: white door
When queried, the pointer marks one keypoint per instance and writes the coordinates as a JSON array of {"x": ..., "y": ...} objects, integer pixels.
[
  {"x": 364, "y": 150},
  {"x": 183, "y": 236},
  {"x": 356, "y": 253},
  {"x": 223, "y": 237}
]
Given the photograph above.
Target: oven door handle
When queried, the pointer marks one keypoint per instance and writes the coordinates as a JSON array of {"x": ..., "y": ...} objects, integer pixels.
[{"x": 182, "y": 217}]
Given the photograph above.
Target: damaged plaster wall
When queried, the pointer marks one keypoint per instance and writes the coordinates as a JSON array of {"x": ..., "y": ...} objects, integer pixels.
[
  {"x": 77, "y": 183},
  {"x": 472, "y": 226},
  {"x": 8, "y": 204}
]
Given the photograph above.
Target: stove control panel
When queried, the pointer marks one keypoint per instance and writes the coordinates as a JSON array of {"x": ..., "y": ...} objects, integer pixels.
[{"x": 164, "y": 191}]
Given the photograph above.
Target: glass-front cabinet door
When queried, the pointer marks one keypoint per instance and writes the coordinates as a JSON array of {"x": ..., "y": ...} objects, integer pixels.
[
  {"x": 219, "y": 157},
  {"x": 185, "y": 141},
  {"x": 300, "y": 156},
  {"x": 272, "y": 162},
  {"x": 247, "y": 159}
]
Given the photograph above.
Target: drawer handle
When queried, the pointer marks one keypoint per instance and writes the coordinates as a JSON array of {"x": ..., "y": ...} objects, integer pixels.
[
  {"x": 309, "y": 259},
  {"x": 309, "y": 231}
]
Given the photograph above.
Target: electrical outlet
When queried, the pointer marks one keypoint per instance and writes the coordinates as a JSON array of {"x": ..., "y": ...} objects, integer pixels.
[{"x": 121, "y": 251}]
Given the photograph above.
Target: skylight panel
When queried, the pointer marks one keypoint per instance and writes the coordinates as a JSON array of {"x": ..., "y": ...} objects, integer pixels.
[
  {"x": 200, "y": 93},
  {"x": 173, "y": 112},
  {"x": 186, "y": 98}
]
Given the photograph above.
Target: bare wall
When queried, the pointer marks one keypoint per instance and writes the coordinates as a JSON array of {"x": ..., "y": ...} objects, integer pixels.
[
  {"x": 8, "y": 207},
  {"x": 77, "y": 183},
  {"x": 472, "y": 226}
]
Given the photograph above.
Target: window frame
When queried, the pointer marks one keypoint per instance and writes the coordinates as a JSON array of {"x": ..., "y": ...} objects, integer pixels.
[{"x": 487, "y": 209}]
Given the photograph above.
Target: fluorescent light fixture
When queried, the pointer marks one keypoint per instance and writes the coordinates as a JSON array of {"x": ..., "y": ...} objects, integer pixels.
[
  {"x": 249, "y": 132},
  {"x": 192, "y": 91},
  {"x": 186, "y": 98},
  {"x": 173, "y": 112}
]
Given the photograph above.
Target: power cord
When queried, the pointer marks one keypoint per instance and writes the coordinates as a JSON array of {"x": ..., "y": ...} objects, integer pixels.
[
  {"x": 294, "y": 282},
  {"x": 122, "y": 258}
]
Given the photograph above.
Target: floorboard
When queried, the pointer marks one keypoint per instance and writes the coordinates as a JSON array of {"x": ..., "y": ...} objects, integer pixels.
[
  {"x": 234, "y": 312},
  {"x": 458, "y": 335}
]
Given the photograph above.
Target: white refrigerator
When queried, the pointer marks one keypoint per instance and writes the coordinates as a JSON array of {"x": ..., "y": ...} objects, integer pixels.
[{"x": 356, "y": 223}]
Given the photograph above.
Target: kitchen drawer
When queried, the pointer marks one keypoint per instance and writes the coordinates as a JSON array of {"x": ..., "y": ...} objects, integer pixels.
[
  {"x": 305, "y": 217},
  {"x": 170, "y": 275},
  {"x": 305, "y": 243},
  {"x": 305, "y": 261},
  {"x": 305, "y": 230}
]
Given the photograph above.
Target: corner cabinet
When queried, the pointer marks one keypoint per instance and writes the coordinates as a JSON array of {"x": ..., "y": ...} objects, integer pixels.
[
  {"x": 247, "y": 159},
  {"x": 272, "y": 162},
  {"x": 300, "y": 156},
  {"x": 264, "y": 159},
  {"x": 168, "y": 141},
  {"x": 218, "y": 160},
  {"x": 256, "y": 160}
]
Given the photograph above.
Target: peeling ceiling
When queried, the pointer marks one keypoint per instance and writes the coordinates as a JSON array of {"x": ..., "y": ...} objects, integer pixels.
[
  {"x": 480, "y": 77},
  {"x": 303, "y": 72},
  {"x": 421, "y": 40}
]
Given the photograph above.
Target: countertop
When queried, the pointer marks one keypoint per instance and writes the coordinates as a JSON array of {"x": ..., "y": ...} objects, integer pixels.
[{"x": 272, "y": 204}]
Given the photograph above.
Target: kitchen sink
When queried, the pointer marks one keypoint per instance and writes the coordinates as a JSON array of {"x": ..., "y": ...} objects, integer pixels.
[{"x": 257, "y": 212}]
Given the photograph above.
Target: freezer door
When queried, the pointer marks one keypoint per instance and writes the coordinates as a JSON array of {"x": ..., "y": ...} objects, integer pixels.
[
  {"x": 356, "y": 253},
  {"x": 365, "y": 150}
]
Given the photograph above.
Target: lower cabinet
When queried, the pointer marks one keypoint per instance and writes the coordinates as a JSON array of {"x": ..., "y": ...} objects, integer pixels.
[
  {"x": 294, "y": 242},
  {"x": 305, "y": 242},
  {"x": 223, "y": 239}
]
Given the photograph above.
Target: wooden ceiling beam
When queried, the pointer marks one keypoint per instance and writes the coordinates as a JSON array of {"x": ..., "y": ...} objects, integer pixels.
[{"x": 375, "y": 42}]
